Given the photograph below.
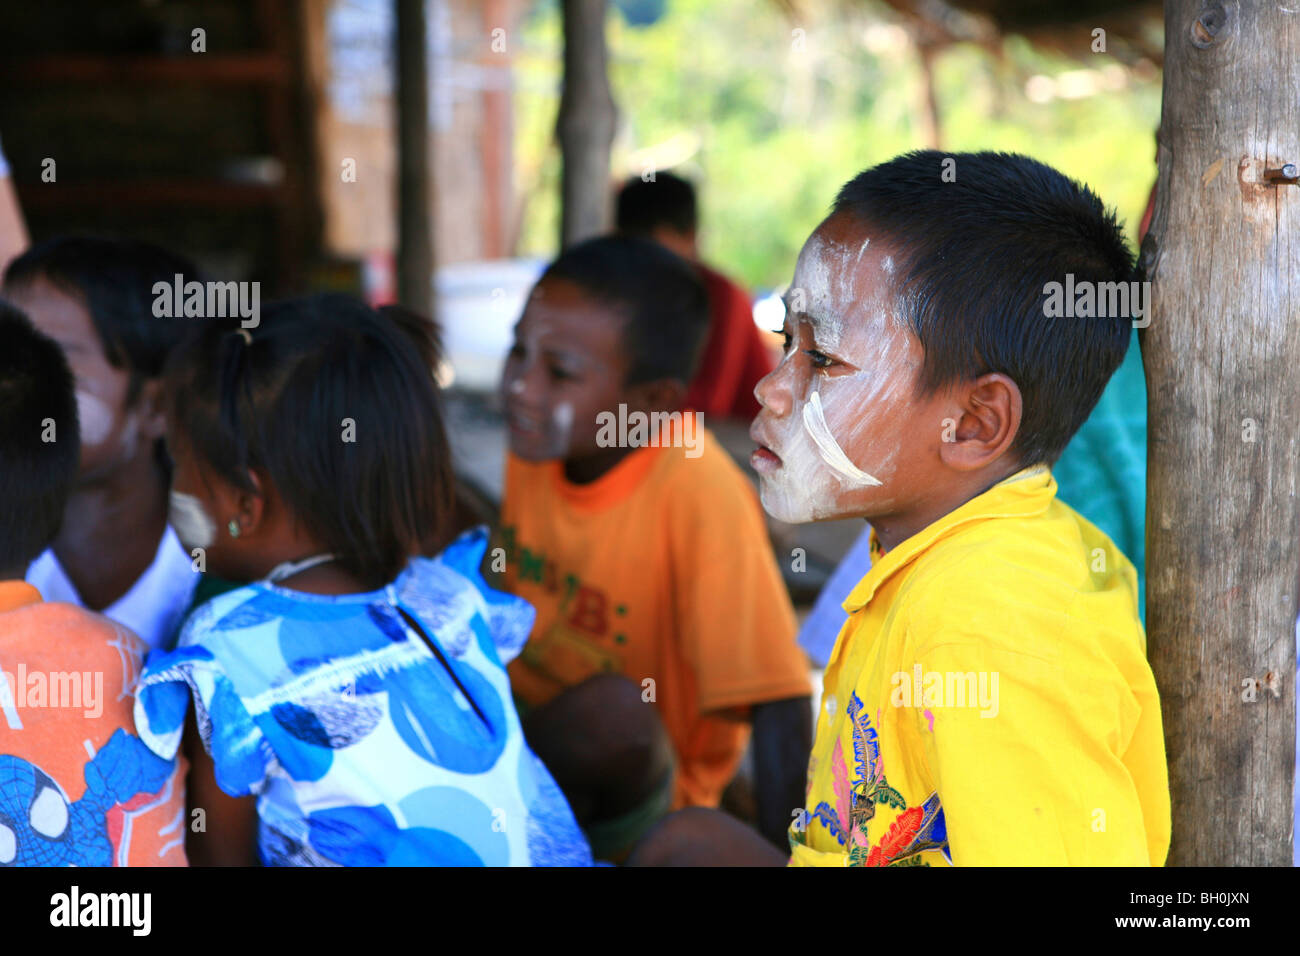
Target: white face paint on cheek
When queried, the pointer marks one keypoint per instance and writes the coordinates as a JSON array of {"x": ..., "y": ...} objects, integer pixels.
[
  {"x": 841, "y": 411},
  {"x": 817, "y": 478},
  {"x": 815, "y": 474},
  {"x": 190, "y": 522},
  {"x": 95, "y": 418},
  {"x": 562, "y": 426},
  {"x": 815, "y": 421},
  {"x": 803, "y": 488},
  {"x": 130, "y": 435}
]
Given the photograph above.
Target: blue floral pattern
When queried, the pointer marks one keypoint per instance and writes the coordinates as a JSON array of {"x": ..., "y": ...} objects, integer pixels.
[{"x": 361, "y": 747}]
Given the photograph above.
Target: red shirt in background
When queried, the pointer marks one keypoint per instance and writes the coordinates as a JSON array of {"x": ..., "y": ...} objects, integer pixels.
[{"x": 734, "y": 356}]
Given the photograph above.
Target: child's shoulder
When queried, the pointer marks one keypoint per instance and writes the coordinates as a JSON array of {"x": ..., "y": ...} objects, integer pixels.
[
  {"x": 448, "y": 592},
  {"x": 1043, "y": 550},
  {"x": 704, "y": 475},
  {"x": 236, "y": 608},
  {"x": 71, "y": 631},
  {"x": 1029, "y": 582}
]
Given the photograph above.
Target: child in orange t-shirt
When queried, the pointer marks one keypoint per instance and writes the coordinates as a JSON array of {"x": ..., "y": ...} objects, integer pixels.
[
  {"x": 77, "y": 786},
  {"x": 645, "y": 561}
]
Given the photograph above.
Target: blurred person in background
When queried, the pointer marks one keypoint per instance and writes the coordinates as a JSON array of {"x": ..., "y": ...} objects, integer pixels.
[
  {"x": 13, "y": 231},
  {"x": 663, "y": 209}
]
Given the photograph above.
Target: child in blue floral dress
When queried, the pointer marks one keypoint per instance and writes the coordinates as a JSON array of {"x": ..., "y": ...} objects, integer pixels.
[{"x": 351, "y": 703}]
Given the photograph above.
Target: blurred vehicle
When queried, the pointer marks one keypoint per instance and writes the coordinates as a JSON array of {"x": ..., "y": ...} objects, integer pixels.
[{"x": 478, "y": 306}]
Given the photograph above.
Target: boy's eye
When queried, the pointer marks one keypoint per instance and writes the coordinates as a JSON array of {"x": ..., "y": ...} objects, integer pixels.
[
  {"x": 818, "y": 359},
  {"x": 561, "y": 374},
  {"x": 786, "y": 339}
]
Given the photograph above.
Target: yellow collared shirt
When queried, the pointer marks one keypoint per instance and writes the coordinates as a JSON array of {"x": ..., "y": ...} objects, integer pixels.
[{"x": 989, "y": 700}]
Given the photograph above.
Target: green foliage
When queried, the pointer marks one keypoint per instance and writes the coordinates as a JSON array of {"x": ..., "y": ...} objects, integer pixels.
[{"x": 770, "y": 122}]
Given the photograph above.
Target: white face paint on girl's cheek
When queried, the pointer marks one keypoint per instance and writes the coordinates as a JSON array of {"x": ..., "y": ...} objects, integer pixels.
[
  {"x": 94, "y": 417},
  {"x": 190, "y": 521}
]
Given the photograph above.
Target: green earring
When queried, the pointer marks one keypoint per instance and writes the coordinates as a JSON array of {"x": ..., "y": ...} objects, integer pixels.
[{"x": 233, "y": 528}]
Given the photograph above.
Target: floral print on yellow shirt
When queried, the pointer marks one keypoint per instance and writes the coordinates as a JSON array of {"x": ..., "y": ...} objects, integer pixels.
[{"x": 858, "y": 797}]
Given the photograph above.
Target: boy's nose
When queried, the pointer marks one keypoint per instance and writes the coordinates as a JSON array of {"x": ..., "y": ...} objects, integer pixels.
[{"x": 773, "y": 391}]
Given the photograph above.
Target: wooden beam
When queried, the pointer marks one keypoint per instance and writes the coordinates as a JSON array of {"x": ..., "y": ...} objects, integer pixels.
[
  {"x": 206, "y": 68},
  {"x": 149, "y": 192},
  {"x": 1221, "y": 353},
  {"x": 495, "y": 132}
]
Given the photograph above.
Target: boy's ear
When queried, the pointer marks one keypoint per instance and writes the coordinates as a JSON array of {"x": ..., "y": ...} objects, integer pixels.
[
  {"x": 153, "y": 423},
  {"x": 662, "y": 394},
  {"x": 990, "y": 413}
]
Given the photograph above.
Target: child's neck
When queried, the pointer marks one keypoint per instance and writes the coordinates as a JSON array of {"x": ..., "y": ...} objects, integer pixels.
[
  {"x": 583, "y": 471},
  {"x": 329, "y": 579},
  {"x": 893, "y": 530},
  {"x": 111, "y": 530}
]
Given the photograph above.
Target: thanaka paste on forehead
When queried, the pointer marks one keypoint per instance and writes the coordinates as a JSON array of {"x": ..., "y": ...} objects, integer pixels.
[{"x": 818, "y": 290}]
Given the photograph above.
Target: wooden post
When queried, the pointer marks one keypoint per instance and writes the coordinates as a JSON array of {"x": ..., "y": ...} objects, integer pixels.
[
  {"x": 495, "y": 133},
  {"x": 585, "y": 126},
  {"x": 414, "y": 196},
  {"x": 1222, "y": 358}
]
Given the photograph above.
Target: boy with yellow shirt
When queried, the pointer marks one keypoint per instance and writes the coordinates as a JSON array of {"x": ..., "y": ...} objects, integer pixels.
[
  {"x": 988, "y": 700},
  {"x": 643, "y": 548}
]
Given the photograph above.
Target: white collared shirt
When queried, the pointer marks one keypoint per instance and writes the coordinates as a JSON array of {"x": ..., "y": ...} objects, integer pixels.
[{"x": 154, "y": 605}]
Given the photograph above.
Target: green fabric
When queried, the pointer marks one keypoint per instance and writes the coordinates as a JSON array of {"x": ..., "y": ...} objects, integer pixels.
[
  {"x": 1103, "y": 471},
  {"x": 208, "y": 588},
  {"x": 612, "y": 840}
]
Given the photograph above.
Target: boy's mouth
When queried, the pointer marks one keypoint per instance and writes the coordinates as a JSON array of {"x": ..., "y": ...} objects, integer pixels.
[
  {"x": 524, "y": 423},
  {"x": 763, "y": 459}
]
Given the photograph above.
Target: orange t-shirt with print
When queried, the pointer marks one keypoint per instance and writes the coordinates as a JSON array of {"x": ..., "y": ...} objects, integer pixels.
[
  {"x": 77, "y": 786},
  {"x": 661, "y": 571}
]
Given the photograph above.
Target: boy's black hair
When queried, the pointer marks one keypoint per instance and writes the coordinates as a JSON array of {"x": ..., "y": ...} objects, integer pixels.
[
  {"x": 660, "y": 294},
  {"x": 975, "y": 255},
  {"x": 115, "y": 278},
  {"x": 332, "y": 404},
  {"x": 40, "y": 441},
  {"x": 667, "y": 200},
  {"x": 424, "y": 332}
]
